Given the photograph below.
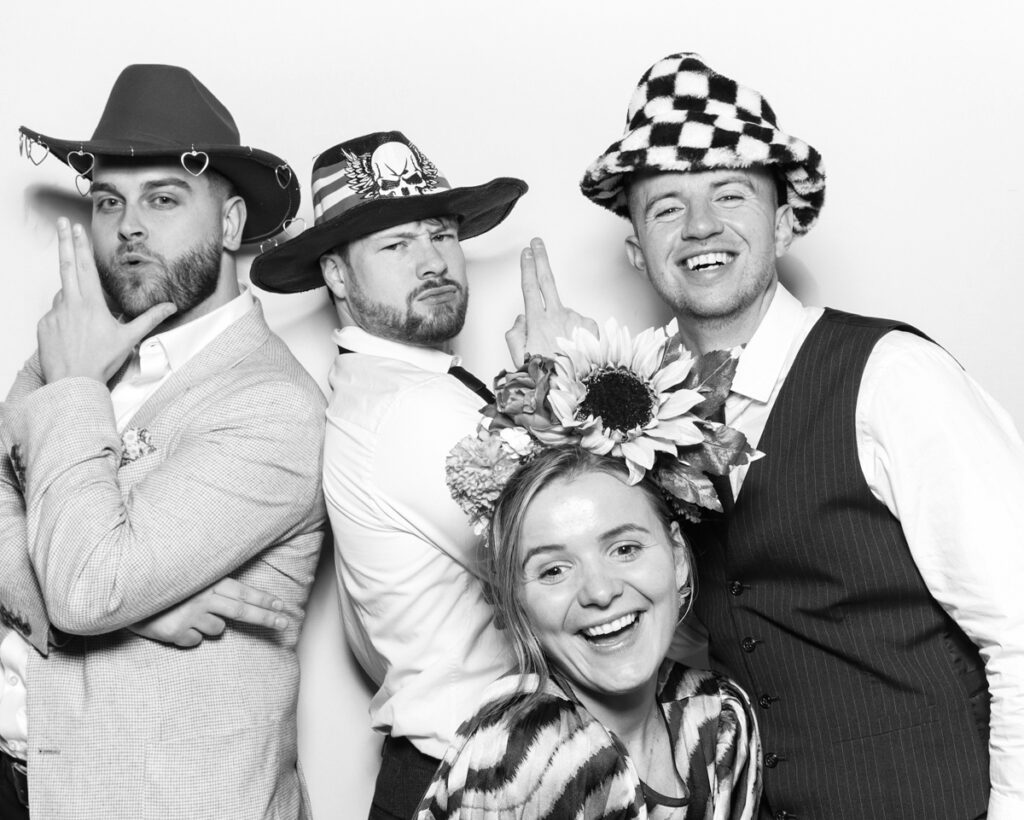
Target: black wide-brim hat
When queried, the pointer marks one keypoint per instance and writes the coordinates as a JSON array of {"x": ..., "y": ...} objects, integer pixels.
[
  {"x": 686, "y": 117},
  {"x": 162, "y": 111},
  {"x": 369, "y": 184}
]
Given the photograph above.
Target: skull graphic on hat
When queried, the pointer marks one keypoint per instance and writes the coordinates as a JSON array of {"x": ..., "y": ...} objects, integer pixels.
[{"x": 394, "y": 169}]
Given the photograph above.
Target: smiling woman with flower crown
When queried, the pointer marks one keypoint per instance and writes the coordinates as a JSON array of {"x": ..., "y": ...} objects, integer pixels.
[{"x": 579, "y": 474}]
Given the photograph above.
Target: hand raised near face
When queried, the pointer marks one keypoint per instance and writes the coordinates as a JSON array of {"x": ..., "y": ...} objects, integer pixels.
[
  {"x": 545, "y": 318},
  {"x": 79, "y": 336},
  {"x": 205, "y": 614}
]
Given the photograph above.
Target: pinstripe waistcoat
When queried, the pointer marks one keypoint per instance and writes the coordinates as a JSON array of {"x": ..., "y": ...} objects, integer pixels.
[
  {"x": 97, "y": 535},
  {"x": 872, "y": 702}
]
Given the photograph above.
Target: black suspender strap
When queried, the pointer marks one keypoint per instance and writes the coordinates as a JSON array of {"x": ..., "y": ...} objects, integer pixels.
[{"x": 463, "y": 375}]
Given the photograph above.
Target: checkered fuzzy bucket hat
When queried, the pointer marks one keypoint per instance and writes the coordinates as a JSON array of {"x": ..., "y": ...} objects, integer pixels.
[{"x": 684, "y": 116}]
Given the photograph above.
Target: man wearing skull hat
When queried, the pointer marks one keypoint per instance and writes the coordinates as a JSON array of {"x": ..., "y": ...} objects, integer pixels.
[
  {"x": 863, "y": 583},
  {"x": 153, "y": 467},
  {"x": 387, "y": 243}
]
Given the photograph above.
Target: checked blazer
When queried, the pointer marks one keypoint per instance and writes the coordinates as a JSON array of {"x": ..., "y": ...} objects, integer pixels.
[{"x": 218, "y": 474}]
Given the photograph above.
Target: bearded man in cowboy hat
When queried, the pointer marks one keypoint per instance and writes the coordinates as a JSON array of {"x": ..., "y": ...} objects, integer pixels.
[
  {"x": 387, "y": 244},
  {"x": 863, "y": 582},
  {"x": 145, "y": 458}
]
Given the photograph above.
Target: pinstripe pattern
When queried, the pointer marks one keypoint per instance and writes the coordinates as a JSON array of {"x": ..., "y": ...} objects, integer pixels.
[
  {"x": 123, "y": 727},
  {"x": 863, "y": 681},
  {"x": 557, "y": 762}
]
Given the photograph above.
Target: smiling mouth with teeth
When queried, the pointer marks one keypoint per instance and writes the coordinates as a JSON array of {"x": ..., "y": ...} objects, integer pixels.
[
  {"x": 709, "y": 261},
  {"x": 612, "y": 628}
]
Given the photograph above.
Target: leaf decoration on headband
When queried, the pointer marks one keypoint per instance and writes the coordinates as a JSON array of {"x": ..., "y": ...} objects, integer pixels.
[{"x": 646, "y": 400}]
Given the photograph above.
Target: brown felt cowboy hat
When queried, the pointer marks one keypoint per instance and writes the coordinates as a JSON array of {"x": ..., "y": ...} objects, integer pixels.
[
  {"x": 369, "y": 184},
  {"x": 163, "y": 111}
]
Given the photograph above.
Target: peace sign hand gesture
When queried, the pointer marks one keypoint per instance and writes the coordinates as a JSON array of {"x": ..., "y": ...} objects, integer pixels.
[
  {"x": 545, "y": 318},
  {"x": 79, "y": 336}
]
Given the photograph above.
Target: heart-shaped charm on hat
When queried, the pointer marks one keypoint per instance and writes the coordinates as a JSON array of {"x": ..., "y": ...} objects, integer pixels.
[
  {"x": 30, "y": 145},
  {"x": 284, "y": 175},
  {"x": 195, "y": 162},
  {"x": 290, "y": 223},
  {"x": 76, "y": 159},
  {"x": 83, "y": 184}
]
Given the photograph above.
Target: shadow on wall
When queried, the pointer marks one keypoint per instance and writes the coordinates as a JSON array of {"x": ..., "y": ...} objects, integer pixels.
[
  {"x": 49, "y": 202},
  {"x": 798, "y": 280}
]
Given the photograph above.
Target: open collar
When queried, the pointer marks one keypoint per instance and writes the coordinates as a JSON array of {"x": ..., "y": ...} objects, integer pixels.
[{"x": 426, "y": 358}]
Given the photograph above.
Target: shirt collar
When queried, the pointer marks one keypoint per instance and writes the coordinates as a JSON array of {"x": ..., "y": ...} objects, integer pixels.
[
  {"x": 426, "y": 358},
  {"x": 171, "y": 350},
  {"x": 766, "y": 353}
]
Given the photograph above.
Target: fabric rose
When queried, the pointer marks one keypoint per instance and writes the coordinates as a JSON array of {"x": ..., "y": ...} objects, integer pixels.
[{"x": 521, "y": 400}]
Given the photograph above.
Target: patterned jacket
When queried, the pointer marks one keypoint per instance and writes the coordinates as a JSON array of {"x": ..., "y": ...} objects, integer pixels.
[
  {"x": 99, "y": 531},
  {"x": 557, "y": 761}
]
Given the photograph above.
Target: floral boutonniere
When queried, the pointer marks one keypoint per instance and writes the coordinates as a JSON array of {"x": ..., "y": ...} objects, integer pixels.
[{"x": 135, "y": 443}]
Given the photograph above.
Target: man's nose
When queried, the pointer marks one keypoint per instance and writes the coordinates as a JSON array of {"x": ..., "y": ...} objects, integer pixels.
[
  {"x": 430, "y": 262},
  {"x": 701, "y": 221},
  {"x": 130, "y": 225}
]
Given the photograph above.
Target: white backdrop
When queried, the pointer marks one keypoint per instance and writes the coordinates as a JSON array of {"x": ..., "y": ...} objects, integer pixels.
[{"x": 916, "y": 107}]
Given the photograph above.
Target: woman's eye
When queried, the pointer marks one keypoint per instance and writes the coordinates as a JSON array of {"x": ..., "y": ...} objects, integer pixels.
[{"x": 627, "y": 550}]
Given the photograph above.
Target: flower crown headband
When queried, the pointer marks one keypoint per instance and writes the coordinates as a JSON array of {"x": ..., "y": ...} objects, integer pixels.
[{"x": 646, "y": 400}]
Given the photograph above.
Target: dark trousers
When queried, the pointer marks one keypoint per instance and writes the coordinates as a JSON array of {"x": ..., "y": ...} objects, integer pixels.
[
  {"x": 405, "y": 773},
  {"x": 13, "y": 790}
]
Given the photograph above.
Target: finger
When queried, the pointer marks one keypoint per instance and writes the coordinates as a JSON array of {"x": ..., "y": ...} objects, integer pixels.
[
  {"x": 210, "y": 625},
  {"x": 533, "y": 301},
  {"x": 88, "y": 277},
  {"x": 545, "y": 278},
  {"x": 231, "y": 588},
  {"x": 192, "y": 637},
  {"x": 141, "y": 326},
  {"x": 58, "y": 297},
  {"x": 240, "y": 612},
  {"x": 68, "y": 261},
  {"x": 515, "y": 339}
]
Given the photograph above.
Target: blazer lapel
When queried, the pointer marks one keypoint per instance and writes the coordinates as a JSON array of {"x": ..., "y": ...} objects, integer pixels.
[{"x": 224, "y": 352}]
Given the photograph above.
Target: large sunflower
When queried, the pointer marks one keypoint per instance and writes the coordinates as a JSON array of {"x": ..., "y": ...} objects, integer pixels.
[{"x": 616, "y": 393}]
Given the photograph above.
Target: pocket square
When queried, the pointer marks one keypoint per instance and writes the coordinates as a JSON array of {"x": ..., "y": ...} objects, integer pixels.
[{"x": 135, "y": 443}]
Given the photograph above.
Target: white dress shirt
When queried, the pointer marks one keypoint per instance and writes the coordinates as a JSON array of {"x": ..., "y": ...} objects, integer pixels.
[
  {"x": 152, "y": 363},
  {"x": 408, "y": 562},
  {"x": 946, "y": 460}
]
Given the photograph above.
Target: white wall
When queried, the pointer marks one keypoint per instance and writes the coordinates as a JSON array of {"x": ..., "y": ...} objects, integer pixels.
[{"x": 916, "y": 107}]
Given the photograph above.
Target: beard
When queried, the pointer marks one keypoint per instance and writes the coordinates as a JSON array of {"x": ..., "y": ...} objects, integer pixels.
[
  {"x": 187, "y": 281},
  {"x": 439, "y": 322}
]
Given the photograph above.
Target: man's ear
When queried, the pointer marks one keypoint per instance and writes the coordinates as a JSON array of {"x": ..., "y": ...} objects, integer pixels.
[
  {"x": 634, "y": 254},
  {"x": 234, "y": 214},
  {"x": 333, "y": 268},
  {"x": 784, "y": 221}
]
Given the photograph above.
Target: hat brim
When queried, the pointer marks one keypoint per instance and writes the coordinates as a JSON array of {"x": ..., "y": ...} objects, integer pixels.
[
  {"x": 800, "y": 166},
  {"x": 294, "y": 266},
  {"x": 263, "y": 180}
]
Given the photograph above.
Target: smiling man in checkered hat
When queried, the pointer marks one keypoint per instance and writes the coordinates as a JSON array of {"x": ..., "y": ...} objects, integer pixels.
[
  {"x": 387, "y": 243},
  {"x": 864, "y": 583}
]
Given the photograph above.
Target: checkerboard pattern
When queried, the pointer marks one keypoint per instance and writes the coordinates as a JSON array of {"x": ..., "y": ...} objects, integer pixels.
[{"x": 684, "y": 116}]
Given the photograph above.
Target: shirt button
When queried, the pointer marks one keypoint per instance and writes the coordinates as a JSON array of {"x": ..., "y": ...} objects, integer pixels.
[
  {"x": 749, "y": 644},
  {"x": 766, "y": 701},
  {"x": 771, "y": 760},
  {"x": 782, "y": 814},
  {"x": 736, "y": 588},
  {"x": 13, "y": 680}
]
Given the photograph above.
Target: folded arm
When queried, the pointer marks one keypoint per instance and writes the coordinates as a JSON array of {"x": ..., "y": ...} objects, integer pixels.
[{"x": 241, "y": 478}]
